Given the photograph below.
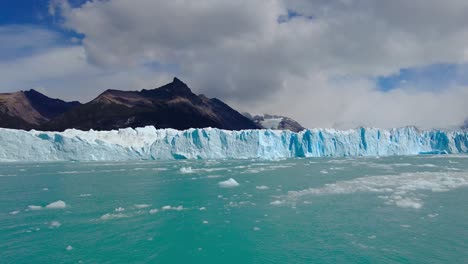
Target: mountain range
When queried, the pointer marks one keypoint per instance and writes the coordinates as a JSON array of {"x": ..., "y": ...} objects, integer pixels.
[{"x": 173, "y": 105}]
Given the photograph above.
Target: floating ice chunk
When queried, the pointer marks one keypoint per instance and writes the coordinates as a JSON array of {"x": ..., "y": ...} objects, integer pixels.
[
  {"x": 85, "y": 195},
  {"x": 45, "y": 189},
  {"x": 277, "y": 202},
  {"x": 263, "y": 187},
  {"x": 323, "y": 171},
  {"x": 205, "y": 222},
  {"x": 141, "y": 206},
  {"x": 119, "y": 209},
  {"x": 69, "y": 248},
  {"x": 408, "y": 203},
  {"x": 57, "y": 205},
  {"x": 202, "y": 209},
  {"x": 432, "y": 215},
  {"x": 153, "y": 211},
  {"x": 427, "y": 165},
  {"x": 256, "y": 228},
  {"x": 35, "y": 207},
  {"x": 55, "y": 224},
  {"x": 113, "y": 216},
  {"x": 14, "y": 212},
  {"x": 231, "y": 183},
  {"x": 168, "y": 207},
  {"x": 186, "y": 170}
]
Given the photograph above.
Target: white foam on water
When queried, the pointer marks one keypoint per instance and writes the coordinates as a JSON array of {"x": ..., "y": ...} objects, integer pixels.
[
  {"x": 14, "y": 212},
  {"x": 141, "y": 206},
  {"x": 113, "y": 216},
  {"x": 262, "y": 187},
  {"x": 34, "y": 207},
  {"x": 202, "y": 209},
  {"x": 119, "y": 209},
  {"x": 57, "y": 205},
  {"x": 256, "y": 228},
  {"x": 323, "y": 171},
  {"x": 45, "y": 189},
  {"x": 85, "y": 195},
  {"x": 55, "y": 224},
  {"x": 186, "y": 170},
  {"x": 231, "y": 183},
  {"x": 205, "y": 222},
  {"x": 432, "y": 215},
  {"x": 403, "y": 190},
  {"x": 69, "y": 248},
  {"x": 153, "y": 211}
]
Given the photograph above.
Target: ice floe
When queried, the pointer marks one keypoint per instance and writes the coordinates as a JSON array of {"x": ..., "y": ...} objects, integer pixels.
[
  {"x": 34, "y": 207},
  {"x": 141, "y": 206},
  {"x": 231, "y": 183},
  {"x": 55, "y": 224},
  {"x": 57, "y": 205},
  {"x": 113, "y": 216},
  {"x": 186, "y": 170}
]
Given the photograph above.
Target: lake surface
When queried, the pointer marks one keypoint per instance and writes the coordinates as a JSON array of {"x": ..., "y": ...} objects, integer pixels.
[{"x": 318, "y": 210}]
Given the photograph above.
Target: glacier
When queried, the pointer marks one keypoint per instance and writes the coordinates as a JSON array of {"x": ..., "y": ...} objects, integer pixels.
[{"x": 149, "y": 143}]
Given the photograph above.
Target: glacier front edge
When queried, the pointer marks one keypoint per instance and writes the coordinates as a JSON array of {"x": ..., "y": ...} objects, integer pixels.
[{"x": 149, "y": 143}]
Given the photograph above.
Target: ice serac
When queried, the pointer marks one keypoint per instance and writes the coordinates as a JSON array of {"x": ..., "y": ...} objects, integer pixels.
[{"x": 149, "y": 143}]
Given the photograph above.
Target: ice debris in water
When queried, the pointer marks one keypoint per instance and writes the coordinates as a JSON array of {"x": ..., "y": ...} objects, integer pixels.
[
  {"x": 277, "y": 202},
  {"x": 119, "y": 209},
  {"x": 231, "y": 183},
  {"x": 57, "y": 205},
  {"x": 400, "y": 190},
  {"x": 168, "y": 207},
  {"x": 34, "y": 207},
  {"x": 202, "y": 208},
  {"x": 263, "y": 187},
  {"x": 14, "y": 212},
  {"x": 69, "y": 248},
  {"x": 141, "y": 206},
  {"x": 55, "y": 224},
  {"x": 153, "y": 211},
  {"x": 113, "y": 216},
  {"x": 205, "y": 222},
  {"x": 186, "y": 170}
]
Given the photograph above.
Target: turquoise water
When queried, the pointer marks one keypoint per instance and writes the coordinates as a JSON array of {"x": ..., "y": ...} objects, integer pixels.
[{"x": 364, "y": 210}]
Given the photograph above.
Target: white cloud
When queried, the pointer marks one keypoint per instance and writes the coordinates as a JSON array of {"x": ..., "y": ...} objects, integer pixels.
[{"x": 316, "y": 68}]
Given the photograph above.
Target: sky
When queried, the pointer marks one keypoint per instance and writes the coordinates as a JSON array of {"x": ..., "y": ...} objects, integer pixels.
[{"x": 326, "y": 63}]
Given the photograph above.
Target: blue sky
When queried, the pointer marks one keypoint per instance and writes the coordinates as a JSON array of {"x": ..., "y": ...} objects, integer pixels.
[{"x": 263, "y": 56}]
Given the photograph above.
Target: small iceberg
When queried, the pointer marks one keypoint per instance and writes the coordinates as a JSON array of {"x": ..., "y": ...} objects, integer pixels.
[
  {"x": 231, "y": 183},
  {"x": 57, "y": 205}
]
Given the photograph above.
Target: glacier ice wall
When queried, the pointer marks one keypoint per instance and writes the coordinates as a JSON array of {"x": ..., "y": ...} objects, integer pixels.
[{"x": 149, "y": 143}]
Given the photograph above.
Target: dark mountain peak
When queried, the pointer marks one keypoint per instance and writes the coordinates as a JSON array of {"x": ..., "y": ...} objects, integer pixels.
[
  {"x": 176, "y": 88},
  {"x": 46, "y": 106},
  {"x": 178, "y": 81}
]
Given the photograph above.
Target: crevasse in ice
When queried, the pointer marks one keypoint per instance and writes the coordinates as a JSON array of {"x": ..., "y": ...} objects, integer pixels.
[{"x": 149, "y": 143}]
